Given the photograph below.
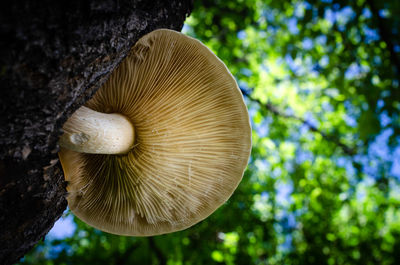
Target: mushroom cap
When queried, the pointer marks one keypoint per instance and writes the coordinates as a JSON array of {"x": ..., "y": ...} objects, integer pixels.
[{"x": 193, "y": 141}]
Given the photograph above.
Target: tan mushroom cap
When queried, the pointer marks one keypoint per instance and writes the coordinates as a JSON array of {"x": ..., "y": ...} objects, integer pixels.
[{"x": 192, "y": 141}]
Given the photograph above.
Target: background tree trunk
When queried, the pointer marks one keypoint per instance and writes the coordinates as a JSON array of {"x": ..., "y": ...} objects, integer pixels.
[{"x": 53, "y": 56}]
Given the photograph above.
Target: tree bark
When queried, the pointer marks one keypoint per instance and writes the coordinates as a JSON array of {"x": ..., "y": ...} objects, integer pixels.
[{"x": 53, "y": 56}]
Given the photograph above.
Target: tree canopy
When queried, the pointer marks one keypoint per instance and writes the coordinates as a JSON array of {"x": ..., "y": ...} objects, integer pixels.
[{"x": 321, "y": 82}]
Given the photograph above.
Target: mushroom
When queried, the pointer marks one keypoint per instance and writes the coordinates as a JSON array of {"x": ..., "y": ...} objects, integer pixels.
[{"x": 161, "y": 145}]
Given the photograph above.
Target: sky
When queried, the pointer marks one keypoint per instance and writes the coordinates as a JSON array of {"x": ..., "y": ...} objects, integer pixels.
[{"x": 64, "y": 227}]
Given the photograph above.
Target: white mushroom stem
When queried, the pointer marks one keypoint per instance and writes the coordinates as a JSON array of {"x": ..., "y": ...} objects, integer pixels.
[{"x": 89, "y": 131}]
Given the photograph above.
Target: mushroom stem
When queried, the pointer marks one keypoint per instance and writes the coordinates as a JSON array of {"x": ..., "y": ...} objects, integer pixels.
[{"x": 89, "y": 131}]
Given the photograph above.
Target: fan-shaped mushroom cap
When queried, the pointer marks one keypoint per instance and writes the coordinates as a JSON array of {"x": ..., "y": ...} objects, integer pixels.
[{"x": 192, "y": 141}]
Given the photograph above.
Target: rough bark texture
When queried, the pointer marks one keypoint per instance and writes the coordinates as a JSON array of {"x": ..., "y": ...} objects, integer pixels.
[{"x": 53, "y": 57}]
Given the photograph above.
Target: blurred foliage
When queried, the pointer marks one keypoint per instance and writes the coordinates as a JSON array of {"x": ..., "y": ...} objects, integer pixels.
[{"x": 330, "y": 70}]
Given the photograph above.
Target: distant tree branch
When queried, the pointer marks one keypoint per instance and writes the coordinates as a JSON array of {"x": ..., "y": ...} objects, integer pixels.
[
  {"x": 276, "y": 111},
  {"x": 385, "y": 34},
  {"x": 160, "y": 256},
  {"x": 122, "y": 259},
  {"x": 387, "y": 37}
]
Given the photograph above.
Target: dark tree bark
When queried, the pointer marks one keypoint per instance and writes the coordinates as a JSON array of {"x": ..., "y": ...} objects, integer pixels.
[{"x": 53, "y": 56}]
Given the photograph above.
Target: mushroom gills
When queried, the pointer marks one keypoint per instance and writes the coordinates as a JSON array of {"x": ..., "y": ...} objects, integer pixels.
[{"x": 188, "y": 140}]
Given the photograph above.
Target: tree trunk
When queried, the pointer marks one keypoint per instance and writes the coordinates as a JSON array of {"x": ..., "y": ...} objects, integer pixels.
[{"x": 53, "y": 56}]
